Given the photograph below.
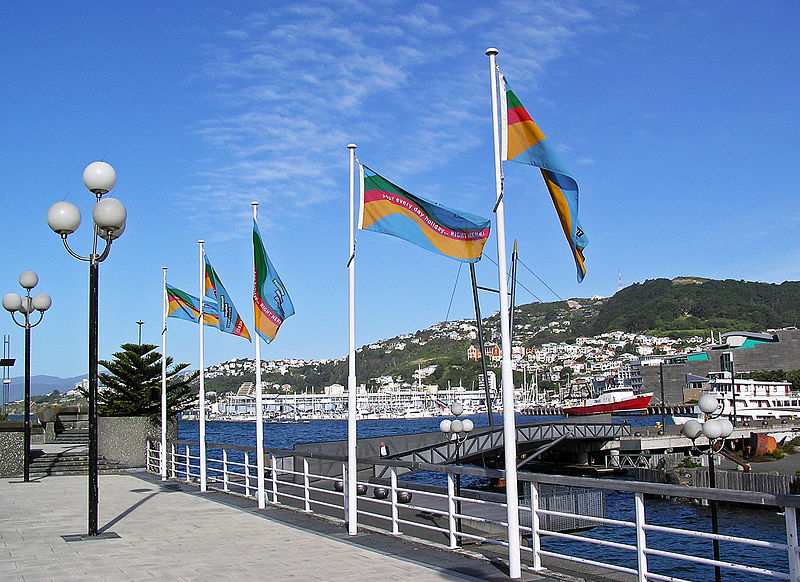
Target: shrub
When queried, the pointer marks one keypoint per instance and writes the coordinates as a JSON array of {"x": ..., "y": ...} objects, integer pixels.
[
  {"x": 778, "y": 454},
  {"x": 688, "y": 463}
]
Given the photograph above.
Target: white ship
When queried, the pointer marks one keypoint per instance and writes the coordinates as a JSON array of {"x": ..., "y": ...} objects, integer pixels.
[{"x": 755, "y": 400}]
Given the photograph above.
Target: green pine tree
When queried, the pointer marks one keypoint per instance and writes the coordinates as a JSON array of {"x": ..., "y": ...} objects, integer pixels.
[{"x": 133, "y": 384}]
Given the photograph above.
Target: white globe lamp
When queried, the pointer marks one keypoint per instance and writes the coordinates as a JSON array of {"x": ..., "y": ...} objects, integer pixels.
[
  {"x": 708, "y": 403},
  {"x": 28, "y": 280},
  {"x": 109, "y": 214},
  {"x": 12, "y": 302},
  {"x": 42, "y": 302},
  {"x": 63, "y": 218},
  {"x": 99, "y": 177},
  {"x": 712, "y": 429},
  {"x": 692, "y": 429}
]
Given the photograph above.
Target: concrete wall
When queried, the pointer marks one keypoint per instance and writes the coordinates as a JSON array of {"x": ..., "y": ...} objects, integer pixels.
[
  {"x": 11, "y": 445},
  {"x": 56, "y": 419},
  {"x": 124, "y": 438}
]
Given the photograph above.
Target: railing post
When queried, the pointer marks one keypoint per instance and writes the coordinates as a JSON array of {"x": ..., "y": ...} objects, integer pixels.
[
  {"x": 395, "y": 516},
  {"x": 188, "y": 472},
  {"x": 246, "y": 474},
  {"x": 536, "y": 540},
  {"x": 172, "y": 456},
  {"x": 344, "y": 493},
  {"x": 306, "y": 490},
  {"x": 641, "y": 539},
  {"x": 274, "y": 472},
  {"x": 790, "y": 514},
  {"x": 224, "y": 469},
  {"x": 451, "y": 511}
]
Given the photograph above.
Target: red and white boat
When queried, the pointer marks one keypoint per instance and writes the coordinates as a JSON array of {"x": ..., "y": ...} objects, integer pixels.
[{"x": 620, "y": 399}]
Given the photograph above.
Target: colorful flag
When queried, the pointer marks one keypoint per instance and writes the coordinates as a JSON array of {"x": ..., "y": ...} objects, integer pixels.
[
  {"x": 387, "y": 208},
  {"x": 523, "y": 142},
  {"x": 271, "y": 302},
  {"x": 184, "y": 306},
  {"x": 229, "y": 320}
]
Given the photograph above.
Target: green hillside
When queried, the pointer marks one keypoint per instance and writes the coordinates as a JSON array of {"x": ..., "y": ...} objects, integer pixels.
[
  {"x": 679, "y": 308},
  {"x": 687, "y": 306}
]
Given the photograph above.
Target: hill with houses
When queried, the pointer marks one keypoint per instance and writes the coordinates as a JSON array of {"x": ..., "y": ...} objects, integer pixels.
[{"x": 555, "y": 341}]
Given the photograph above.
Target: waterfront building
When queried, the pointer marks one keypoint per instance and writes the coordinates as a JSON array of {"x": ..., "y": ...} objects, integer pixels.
[{"x": 776, "y": 350}]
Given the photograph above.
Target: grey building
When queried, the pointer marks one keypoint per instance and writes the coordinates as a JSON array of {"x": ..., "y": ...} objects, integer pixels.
[{"x": 779, "y": 350}]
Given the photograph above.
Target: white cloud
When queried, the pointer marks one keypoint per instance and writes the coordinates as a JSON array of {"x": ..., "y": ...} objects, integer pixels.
[{"x": 294, "y": 84}]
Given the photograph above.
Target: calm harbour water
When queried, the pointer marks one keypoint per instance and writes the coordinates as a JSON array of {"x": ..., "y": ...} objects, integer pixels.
[{"x": 740, "y": 522}]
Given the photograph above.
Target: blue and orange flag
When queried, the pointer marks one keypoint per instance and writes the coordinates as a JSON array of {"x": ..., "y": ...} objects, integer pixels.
[
  {"x": 229, "y": 320},
  {"x": 523, "y": 142},
  {"x": 271, "y": 303},
  {"x": 387, "y": 208},
  {"x": 184, "y": 306}
]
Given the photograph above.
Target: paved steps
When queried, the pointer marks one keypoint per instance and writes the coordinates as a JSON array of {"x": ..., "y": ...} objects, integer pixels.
[
  {"x": 71, "y": 463},
  {"x": 77, "y": 436},
  {"x": 71, "y": 458}
]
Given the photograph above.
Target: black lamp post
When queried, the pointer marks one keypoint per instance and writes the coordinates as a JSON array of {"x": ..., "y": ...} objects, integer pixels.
[
  {"x": 109, "y": 217},
  {"x": 716, "y": 430},
  {"x": 457, "y": 431},
  {"x": 726, "y": 365},
  {"x": 13, "y": 303}
]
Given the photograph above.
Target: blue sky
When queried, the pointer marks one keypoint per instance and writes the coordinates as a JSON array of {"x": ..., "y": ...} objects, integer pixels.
[{"x": 679, "y": 121}]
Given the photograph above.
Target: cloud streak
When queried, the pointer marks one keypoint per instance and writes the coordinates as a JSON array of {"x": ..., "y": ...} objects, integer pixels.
[{"x": 293, "y": 85}]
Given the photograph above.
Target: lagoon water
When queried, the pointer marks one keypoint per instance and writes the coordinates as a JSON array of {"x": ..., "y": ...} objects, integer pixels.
[{"x": 756, "y": 523}]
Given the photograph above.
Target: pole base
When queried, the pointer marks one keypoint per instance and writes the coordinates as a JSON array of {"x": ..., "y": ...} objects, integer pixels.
[{"x": 106, "y": 535}]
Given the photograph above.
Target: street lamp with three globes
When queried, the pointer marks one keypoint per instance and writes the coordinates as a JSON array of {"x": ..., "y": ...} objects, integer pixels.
[
  {"x": 716, "y": 430},
  {"x": 109, "y": 217},
  {"x": 457, "y": 431},
  {"x": 25, "y": 306}
]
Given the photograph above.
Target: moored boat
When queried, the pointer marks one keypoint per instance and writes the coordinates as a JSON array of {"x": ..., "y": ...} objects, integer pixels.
[{"x": 622, "y": 399}]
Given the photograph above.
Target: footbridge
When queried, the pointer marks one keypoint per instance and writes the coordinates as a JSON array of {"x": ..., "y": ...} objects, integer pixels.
[{"x": 482, "y": 445}]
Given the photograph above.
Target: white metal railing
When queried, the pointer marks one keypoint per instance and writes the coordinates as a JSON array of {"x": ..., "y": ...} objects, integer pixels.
[
  {"x": 639, "y": 460},
  {"x": 317, "y": 483}
]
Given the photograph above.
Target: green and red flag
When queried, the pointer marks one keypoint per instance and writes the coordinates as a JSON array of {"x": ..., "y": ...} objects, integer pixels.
[
  {"x": 184, "y": 306},
  {"x": 523, "y": 142},
  {"x": 229, "y": 320},
  {"x": 387, "y": 208},
  {"x": 271, "y": 302}
]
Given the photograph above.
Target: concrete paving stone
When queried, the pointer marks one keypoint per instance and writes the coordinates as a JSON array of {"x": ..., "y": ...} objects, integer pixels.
[{"x": 174, "y": 533}]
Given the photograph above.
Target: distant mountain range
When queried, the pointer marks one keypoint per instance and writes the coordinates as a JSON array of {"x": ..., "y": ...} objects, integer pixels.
[{"x": 41, "y": 385}]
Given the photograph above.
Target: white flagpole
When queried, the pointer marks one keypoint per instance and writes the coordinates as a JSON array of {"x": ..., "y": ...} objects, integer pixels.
[
  {"x": 352, "y": 472},
  {"x": 259, "y": 397},
  {"x": 202, "y": 395},
  {"x": 509, "y": 428},
  {"x": 164, "y": 377}
]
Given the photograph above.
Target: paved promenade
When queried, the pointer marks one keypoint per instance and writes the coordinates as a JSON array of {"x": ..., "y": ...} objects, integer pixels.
[{"x": 169, "y": 531}]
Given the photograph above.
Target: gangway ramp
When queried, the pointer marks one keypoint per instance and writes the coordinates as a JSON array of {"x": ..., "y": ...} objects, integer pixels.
[{"x": 488, "y": 441}]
